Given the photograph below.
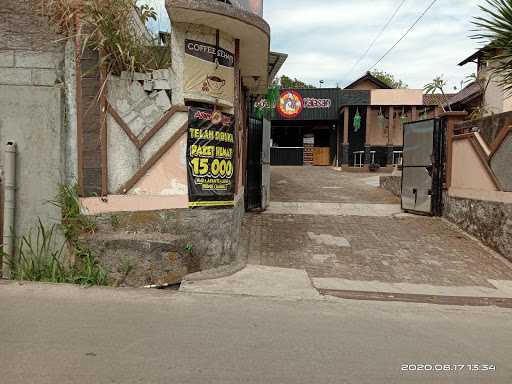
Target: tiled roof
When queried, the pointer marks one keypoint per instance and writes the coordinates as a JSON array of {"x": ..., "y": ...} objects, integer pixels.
[
  {"x": 436, "y": 99},
  {"x": 466, "y": 94},
  {"x": 369, "y": 77}
]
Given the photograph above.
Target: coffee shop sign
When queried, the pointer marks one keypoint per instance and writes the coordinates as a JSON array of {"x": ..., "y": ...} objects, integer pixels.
[{"x": 309, "y": 103}]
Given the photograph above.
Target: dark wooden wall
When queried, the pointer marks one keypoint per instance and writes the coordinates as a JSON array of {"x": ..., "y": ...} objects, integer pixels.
[{"x": 90, "y": 120}]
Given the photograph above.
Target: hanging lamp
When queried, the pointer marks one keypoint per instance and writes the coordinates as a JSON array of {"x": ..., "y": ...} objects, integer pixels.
[
  {"x": 381, "y": 119},
  {"x": 357, "y": 121}
]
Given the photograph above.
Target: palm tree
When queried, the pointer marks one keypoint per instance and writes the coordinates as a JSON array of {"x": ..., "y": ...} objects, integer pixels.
[
  {"x": 438, "y": 84},
  {"x": 495, "y": 29}
]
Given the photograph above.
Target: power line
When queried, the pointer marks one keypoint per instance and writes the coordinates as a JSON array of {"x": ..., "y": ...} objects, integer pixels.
[
  {"x": 377, "y": 37},
  {"x": 405, "y": 34}
]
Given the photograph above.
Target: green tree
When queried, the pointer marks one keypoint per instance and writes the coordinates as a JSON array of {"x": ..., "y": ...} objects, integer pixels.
[
  {"x": 495, "y": 28},
  {"x": 438, "y": 84},
  {"x": 288, "y": 82},
  {"x": 389, "y": 79}
]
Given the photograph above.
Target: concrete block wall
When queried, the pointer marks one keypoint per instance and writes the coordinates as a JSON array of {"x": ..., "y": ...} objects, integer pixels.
[
  {"x": 40, "y": 69},
  {"x": 489, "y": 221},
  {"x": 140, "y": 108},
  {"x": 32, "y": 109}
]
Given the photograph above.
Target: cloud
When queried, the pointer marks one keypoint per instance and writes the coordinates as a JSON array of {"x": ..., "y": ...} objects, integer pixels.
[{"x": 324, "y": 39}]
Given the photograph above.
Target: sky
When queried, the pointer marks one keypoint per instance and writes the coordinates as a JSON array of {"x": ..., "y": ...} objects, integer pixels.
[{"x": 325, "y": 38}]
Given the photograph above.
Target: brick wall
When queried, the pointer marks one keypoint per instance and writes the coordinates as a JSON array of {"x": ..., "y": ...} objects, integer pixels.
[
  {"x": 90, "y": 111},
  {"x": 29, "y": 52},
  {"x": 21, "y": 28}
]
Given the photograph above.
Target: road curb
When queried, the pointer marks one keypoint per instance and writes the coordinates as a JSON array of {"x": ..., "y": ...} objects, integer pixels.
[
  {"x": 417, "y": 298},
  {"x": 216, "y": 273}
]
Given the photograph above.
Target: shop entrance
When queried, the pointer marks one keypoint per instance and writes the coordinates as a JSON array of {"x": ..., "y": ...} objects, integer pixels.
[
  {"x": 257, "y": 189},
  {"x": 297, "y": 143},
  {"x": 254, "y": 171},
  {"x": 357, "y": 136}
]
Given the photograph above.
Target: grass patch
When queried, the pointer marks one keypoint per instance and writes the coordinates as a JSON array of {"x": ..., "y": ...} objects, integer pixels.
[
  {"x": 88, "y": 271},
  {"x": 40, "y": 254},
  {"x": 40, "y": 257},
  {"x": 73, "y": 222},
  {"x": 109, "y": 28}
]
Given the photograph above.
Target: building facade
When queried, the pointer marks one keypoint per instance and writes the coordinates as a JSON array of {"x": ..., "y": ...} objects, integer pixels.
[
  {"x": 352, "y": 127},
  {"x": 158, "y": 157},
  {"x": 486, "y": 95}
]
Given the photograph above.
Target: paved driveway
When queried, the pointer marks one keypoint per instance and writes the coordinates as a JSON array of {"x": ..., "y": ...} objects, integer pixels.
[
  {"x": 350, "y": 236},
  {"x": 325, "y": 185}
]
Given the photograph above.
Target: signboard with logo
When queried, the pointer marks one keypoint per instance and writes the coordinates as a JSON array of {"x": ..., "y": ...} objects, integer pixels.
[
  {"x": 290, "y": 104},
  {"x": 308, "y": 104},
  {"x": 210, "y": 158},
  {"x": 209, "y": 71}
]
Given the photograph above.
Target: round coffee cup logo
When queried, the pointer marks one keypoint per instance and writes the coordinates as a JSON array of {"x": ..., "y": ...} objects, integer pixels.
[
  {"x": 290, "y": 104},
  {"x": 214, "y": 84},
  {"x": 216, "y": 118}
]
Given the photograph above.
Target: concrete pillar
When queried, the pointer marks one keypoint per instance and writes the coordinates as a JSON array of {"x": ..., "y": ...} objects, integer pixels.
[
  {"x": 346, "y": 154},
  {"x": 338, "y": 143},
  {"x": 391, "y": 123},
  {"x": 415, "y": 116},
  {"x": 346, "y": 125},
  {"x": 367, "y": 154},
  {"x": 9, "y": 223},
  {"x": 369, "y": 127},
  {"x": 452, "y": 118},
  {"x": 369, "y": 124},
  {"x": 238, "y": 113},
  {"x": 346, "y": 145},
  {"x": 390, "y": 150}
]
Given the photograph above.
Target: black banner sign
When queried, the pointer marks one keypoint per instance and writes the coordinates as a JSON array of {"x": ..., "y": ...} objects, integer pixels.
[
  {"x": 209, "y": 53},
  {"x": 210, "y": 158}
]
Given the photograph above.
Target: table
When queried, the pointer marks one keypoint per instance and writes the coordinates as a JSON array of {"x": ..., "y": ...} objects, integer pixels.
[
  {"x": 359, "y": 154},
  {"x": 398, "y": 155}
]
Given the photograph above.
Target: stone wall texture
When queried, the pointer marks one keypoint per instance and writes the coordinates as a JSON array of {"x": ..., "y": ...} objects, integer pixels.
[
  {"x": 23, "y": 28},
  {"x": 392, "y": 184},
  {"x": 490, "y": 222},
  {"x": 162, "y": 247}
]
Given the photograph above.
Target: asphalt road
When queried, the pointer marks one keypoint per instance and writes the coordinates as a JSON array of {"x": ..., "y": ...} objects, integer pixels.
[{"x": 63, "y": 334}]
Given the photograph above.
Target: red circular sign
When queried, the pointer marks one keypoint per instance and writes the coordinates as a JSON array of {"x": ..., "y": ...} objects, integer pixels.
[{"x": 290, "y": 104}]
